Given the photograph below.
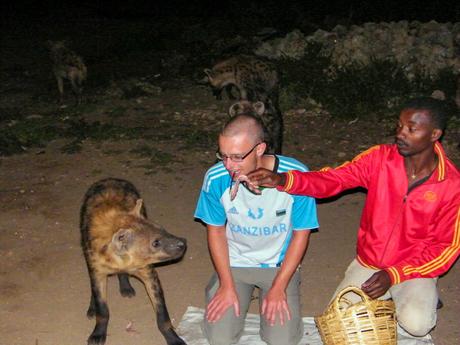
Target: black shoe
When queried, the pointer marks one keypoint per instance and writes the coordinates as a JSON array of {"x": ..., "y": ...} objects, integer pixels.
[{"x": 440, "y": 304}]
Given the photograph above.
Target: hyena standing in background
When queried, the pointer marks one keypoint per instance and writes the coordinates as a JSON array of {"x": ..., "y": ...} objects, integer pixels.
[
  {"x": 67, "y": 65},
  {"x": 254, "y": 78},
  {"x": 270, "y": 116},
  {"x": 117, "y": 238}
]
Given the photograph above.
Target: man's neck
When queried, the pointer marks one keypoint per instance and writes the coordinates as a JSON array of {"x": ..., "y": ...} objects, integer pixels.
[
  {"x": 267, "y": 161},
  {"x": 419, "y": 166}
]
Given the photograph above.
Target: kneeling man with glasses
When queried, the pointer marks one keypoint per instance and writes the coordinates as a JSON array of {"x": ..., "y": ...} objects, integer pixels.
[{"x": 256, "y": 238}]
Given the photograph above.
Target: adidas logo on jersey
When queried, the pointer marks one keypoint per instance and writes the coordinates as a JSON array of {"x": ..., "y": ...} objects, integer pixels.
[{"x": 233, "y": 210}]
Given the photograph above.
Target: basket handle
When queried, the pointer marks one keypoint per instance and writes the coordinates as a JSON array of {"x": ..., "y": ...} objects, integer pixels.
[{"x": 354, "y": 289}]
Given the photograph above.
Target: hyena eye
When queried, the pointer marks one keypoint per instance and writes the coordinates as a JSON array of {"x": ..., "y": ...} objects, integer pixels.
[{"x": 156, "y": 243}]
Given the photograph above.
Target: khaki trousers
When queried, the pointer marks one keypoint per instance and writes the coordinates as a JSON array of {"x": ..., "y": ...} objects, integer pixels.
[
  {"x": 415, "y": 300},
  {"x": 229, "y": 328}
]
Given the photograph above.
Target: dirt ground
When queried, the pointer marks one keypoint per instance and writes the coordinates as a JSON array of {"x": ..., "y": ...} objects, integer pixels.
[{"x": 44, "y": 285}]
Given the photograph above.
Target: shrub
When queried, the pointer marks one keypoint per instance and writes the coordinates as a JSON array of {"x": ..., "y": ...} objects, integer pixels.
[{"x": 354, "y": 90}]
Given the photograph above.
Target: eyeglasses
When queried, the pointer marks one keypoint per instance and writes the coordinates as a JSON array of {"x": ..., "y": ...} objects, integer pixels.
[{"x": 235, "y": 158}]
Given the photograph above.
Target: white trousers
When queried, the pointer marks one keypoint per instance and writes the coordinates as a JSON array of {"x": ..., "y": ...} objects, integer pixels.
[{"x": 415, "y": 299}]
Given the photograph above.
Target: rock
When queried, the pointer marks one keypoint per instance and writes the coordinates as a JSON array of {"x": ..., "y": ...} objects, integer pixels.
[
  {"x": 418, "y": 47},
  {"x": 438, "y": 94},
  {"x": 292, "y": 46}
]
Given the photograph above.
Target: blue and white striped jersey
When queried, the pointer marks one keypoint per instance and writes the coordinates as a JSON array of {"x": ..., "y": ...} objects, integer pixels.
[{"x": 259, "y": 227}]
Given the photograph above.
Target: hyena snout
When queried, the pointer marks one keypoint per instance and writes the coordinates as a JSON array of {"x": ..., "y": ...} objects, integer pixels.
[{"x": 174, "y": 247}]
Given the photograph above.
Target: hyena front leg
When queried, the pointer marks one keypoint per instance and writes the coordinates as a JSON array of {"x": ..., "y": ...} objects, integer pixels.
[
  {"x": 229, "y": 91},
  {"x": 217, "y": 93},
  {"x": 126, "y": 289},
  {"x": 99, "y": 307},
  {"x": 149, "y": 277},
  {"x": 77, "y": 85},
  {"x": 60, "y": 85},
  {"x": 91, "y": 312},
  {"x": 278, "y": 134},
  {"x": 243, "y": 93}
]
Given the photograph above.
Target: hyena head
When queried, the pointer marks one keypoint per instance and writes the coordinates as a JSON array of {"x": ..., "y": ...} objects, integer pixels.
[
  {"x": 220, "y": 77},
  {"x": 270, "y": 117},
  {"x": 210, "y": 76},
  {"x": 246, "y": 107},
  {"x": 141, "y": 242},
  {"x": 55, "y": 46}
]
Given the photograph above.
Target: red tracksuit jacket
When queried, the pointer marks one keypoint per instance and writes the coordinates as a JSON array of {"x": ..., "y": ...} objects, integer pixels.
[{"x": 410, "y": 233}]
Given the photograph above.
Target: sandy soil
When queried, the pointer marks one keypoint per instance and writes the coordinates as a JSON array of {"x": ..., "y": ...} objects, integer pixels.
[{"x": 44, "y": 285}]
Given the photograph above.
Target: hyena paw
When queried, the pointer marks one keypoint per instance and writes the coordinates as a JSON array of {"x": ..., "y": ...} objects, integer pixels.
[
  {"x": 177, "y": 341},
  {"x": 127, "y": 291},
  {"x": 97, "y": 339}
]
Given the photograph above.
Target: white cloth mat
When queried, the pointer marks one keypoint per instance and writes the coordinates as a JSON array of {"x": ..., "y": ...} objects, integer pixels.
[{"x": 190, "y": 330}]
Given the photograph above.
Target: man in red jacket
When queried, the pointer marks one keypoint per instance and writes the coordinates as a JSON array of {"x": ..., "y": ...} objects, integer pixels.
[{"x": 409, "y": 233}]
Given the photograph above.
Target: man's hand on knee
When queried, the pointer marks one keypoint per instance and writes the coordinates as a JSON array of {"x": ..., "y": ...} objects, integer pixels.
[
  {"x": 222, "y": 300},
  {"x": 275, "y": 304},
  {"x": 377, "y": 285}
]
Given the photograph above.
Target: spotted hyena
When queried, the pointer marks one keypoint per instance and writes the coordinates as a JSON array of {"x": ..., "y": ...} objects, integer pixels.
[
  {"x": 270, "y": 116},
  {"x": 117, "y": 238},
  {"x": 255, "y": 79},
  {"x": 67, "y": 65}
]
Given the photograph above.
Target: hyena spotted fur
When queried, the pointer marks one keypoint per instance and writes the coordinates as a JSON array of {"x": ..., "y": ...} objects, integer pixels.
[
  {"x": 255, "y": 79},
  {"x": 67, "y": 65},
  {"x": 117, "y": 238},
  {"x": 270, "y": 116}
]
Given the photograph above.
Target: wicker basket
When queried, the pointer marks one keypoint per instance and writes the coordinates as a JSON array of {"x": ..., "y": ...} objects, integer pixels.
[{"x": 369, "y": 322}]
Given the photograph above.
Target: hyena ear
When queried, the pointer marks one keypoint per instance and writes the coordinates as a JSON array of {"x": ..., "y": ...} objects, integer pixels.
[
  {"x": 208, "y": 72},
  {"x": 122, "y": 239},
  {"x": 234, "y": 109},
  {"x": 137, "y": 210},
  {"x": 259, "y": 107}
]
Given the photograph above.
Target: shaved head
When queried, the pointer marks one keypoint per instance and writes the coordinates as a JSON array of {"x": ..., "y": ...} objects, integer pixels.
[{"x": 244, "y": 125}]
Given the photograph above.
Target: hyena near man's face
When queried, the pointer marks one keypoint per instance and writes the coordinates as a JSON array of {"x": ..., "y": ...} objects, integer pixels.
[
  {"x": 254, "y": 78},
  {"x": 271, "y": 118},
  {"x": 117, "y": 238},
  {"x": 67, "y": 65}
]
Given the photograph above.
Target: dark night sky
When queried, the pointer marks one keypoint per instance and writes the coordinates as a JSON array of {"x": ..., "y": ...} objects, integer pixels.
[{"x": 358, "y": 10}]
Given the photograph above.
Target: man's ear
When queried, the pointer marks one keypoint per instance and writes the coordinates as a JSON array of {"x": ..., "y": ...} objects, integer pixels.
[
  {"x": 261, "y": 149},
  {"x": 436, "y": 134}
]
